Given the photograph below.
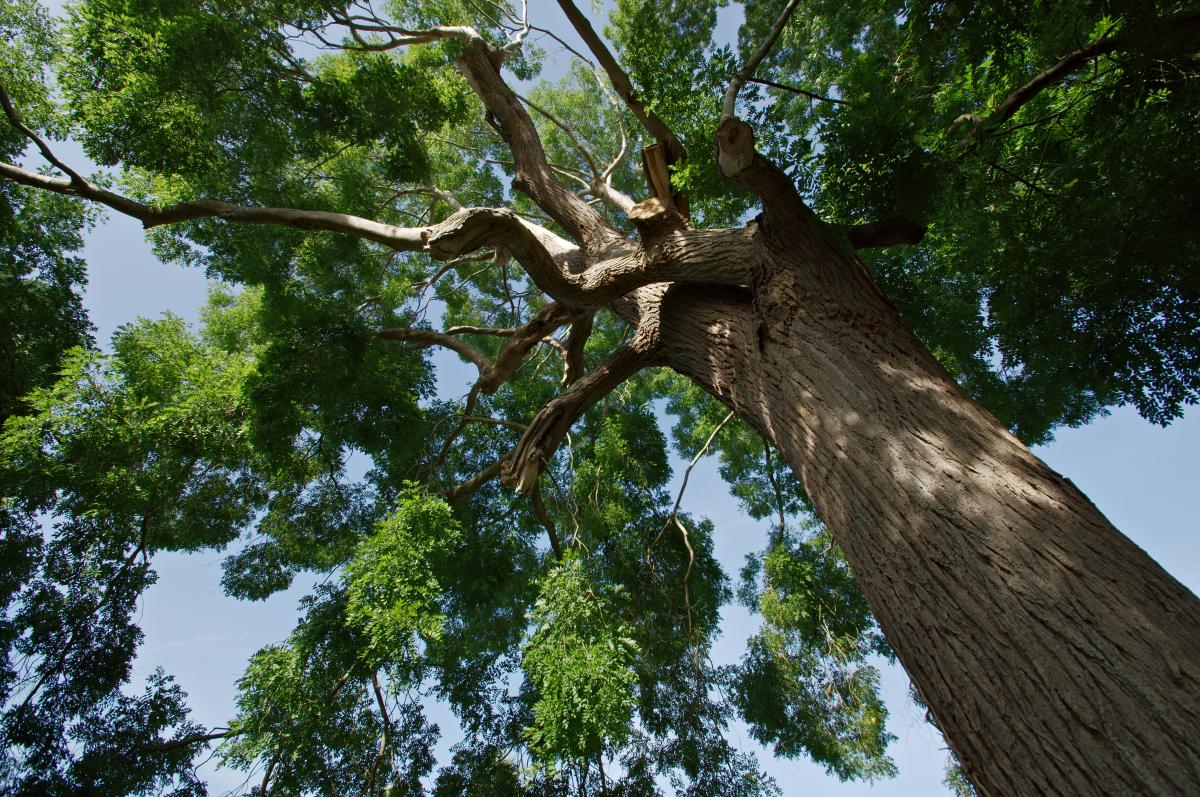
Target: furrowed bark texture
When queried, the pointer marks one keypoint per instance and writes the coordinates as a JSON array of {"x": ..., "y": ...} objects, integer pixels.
[{"x": 1056, "y": 655}]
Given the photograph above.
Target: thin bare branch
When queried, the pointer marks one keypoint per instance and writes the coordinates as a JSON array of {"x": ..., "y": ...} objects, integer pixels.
[
  {"x": 803, "y": 92},
  {"x": 747, "y": 70},
  {"x": 691, "y": 466},
  {"x": 15, "y": 120},
  {"x": 575, "y": 142},
  {"x": 543, "y": 516}
]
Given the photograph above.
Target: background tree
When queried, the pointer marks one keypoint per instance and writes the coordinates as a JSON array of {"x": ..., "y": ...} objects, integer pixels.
[{"x": 1046, "y": 155}]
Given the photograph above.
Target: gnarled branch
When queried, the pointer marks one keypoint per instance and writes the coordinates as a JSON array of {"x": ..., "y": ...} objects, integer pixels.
[
  {"x": 480, "y": 64},
  {"x": 547, "y": 429}
]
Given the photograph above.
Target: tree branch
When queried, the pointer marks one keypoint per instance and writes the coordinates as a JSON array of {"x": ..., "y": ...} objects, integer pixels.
[
  {"x": 491, "y": 374},
  {"x": 547, "y": 429},
  {"x": 429, "y": 337},
  {"x": 472, "y": 485},
  {"x": 174, "y": 744},
  {"x": 1071, "y": 62},
  {"x": 794, "y": 90},
  {"x": 480, "y": 64},
  {"x": 747, "y": 70},
  {"x": 15, "y": 120},
  {"x": 885, "y": 232},
  {"x": 738, "y": 160},
  {"x": 621, "y": 82},
  {"x": 400, "y": 238},
  {"x": 573, "y": 362}
]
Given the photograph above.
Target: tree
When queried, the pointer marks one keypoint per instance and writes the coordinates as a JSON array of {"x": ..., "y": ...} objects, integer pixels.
[{"x": 1026, "y": 179}]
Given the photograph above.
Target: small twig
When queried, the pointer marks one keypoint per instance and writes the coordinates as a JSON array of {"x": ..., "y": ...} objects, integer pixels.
[
  {"x": 539, "y": 509},
  {"x": 810, "y": 94}
]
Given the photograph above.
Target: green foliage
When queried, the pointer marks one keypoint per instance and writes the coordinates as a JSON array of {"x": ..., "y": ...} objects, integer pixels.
[
  {"x": 1053, "y": 280},
  {"x": 805, "y": 686},
  {"x": 580, "y": 660},
  {"x": 392, "y": 590},
  {"x": 41, "y": 315}
]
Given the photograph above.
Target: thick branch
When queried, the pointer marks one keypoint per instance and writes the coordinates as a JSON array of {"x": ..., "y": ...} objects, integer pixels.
[
  {"x": 573, "y": 362},
  {"x": 738, "y": 160},
  {"x": 480, "y": 65},
  {"x": 547, "y": 429},
  {"x": 621, "y": 81},
  {"x": 885, "y": 232},
  {"x": 621, "y": 268},
  {"x": 472, "y": 485},
  {"x": 747, "y": 70}
]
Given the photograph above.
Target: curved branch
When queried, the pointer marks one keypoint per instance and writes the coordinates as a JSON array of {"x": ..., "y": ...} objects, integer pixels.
[
  {"x": 472, "y": 485},
  {"x": 747, "y": 70},
  {"x": 621, "y": 82},
  {"x": 739, "y": 161},
  {"x": 15, "y": 120},
  {"x": 1071, "y": 62},
  {"x": 428, "y": 337},
  {"x": 547, "y": 429}
]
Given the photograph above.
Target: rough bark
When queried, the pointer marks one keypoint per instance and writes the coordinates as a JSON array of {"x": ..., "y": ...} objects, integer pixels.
[{"x": 1056, "y": 655}]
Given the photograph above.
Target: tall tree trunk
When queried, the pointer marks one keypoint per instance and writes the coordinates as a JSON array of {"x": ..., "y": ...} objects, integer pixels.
[{"x": 1056, "y": 656}]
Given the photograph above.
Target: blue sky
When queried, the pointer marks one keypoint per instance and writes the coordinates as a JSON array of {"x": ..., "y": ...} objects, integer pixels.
[{"x": 1142, "y": 477}]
